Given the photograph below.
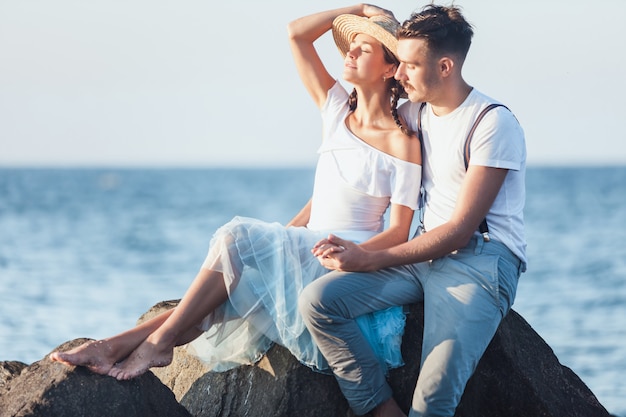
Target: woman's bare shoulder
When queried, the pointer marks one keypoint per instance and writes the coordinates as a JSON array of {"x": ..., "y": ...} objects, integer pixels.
[{"x": 405, "y": 147}]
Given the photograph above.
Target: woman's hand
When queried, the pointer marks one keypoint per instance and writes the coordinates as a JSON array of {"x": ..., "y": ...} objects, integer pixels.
[{"x": 341, "y": 255}]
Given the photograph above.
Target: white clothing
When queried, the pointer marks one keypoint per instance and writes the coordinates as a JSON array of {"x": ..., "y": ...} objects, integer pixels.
[
  {"x": 497, "y": 142},
  {"x": 355, "y": 182},
  {"x": 266, "y": 266}
]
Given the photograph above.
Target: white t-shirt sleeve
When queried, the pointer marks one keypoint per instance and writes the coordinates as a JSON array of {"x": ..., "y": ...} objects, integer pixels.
[
  {"x": 498, "y": 141},
  {"x": 408, "y": 111}
]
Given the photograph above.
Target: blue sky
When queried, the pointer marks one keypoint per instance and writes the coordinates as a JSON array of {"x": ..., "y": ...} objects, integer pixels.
[{"x": 195, "y": 83}]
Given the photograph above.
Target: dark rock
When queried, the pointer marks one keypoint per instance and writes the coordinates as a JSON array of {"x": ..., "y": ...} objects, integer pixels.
[
  {"x": 278, "y": 385},
  {"x": 519, "y": 376},
  {"x": 8, "y": 371},
  {"x": 52, "y": 389}
]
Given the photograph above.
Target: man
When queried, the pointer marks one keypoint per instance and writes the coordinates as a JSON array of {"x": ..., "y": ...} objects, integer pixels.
[{"x": 466, "y": 278}]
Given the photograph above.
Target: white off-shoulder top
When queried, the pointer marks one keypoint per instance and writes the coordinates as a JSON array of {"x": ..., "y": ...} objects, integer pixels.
[{"x": 355, "y": 182}]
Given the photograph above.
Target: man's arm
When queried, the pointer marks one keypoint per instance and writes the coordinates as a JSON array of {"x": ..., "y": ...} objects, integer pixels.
[{"x": 479, "y": 191}]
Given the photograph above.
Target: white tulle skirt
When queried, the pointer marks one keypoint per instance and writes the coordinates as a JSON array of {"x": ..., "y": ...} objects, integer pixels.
[{"x": 265, "y": 267}]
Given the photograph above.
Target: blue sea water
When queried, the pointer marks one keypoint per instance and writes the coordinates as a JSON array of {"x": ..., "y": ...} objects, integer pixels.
[{"x": 85, "y": 252}]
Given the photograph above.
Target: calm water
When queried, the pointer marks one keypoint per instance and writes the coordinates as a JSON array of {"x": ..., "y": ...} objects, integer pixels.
[{"x": 83, "y": 253}]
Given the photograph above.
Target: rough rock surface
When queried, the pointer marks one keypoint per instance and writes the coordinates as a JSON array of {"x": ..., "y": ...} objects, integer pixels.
[
  {"x": 51, "y": 389},
  {"x": 278, "y": 385},
  {"x": 8, "y": 371},
  {"x": 519, "y": 376}
]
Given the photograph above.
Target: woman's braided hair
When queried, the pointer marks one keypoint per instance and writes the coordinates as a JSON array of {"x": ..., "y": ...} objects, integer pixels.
[{"x": 396, "y": 93}]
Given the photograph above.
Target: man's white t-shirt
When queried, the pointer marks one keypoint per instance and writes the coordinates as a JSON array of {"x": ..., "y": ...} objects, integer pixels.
[{"x": 497, "y": 142}]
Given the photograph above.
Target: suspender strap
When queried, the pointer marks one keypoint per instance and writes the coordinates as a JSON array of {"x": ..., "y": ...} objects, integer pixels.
[
  {"x": 466, "y": 154},
  {"x": 422, "y": 199},
  {"x": 483, "y": 228},
  {"x": 419, "y": 126}
]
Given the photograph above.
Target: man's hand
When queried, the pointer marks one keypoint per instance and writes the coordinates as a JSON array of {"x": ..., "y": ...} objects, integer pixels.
[{"x": 341, "y": 255}]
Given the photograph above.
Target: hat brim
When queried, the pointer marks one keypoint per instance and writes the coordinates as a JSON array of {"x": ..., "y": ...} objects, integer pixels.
[{"x": 382, "y": 28}]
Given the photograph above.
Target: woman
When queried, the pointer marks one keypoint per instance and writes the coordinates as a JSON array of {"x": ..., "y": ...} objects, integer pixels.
[{"x": 246, "y": 292}]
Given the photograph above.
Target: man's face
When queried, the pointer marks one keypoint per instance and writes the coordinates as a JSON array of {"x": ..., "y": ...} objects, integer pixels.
[{"x": 418, "y": 71}]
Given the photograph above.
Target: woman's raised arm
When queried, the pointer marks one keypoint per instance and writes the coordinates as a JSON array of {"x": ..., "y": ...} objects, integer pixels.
[{"x": 303, "y": 32}]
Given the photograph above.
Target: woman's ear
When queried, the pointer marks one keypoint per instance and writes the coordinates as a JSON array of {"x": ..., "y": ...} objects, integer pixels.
[{"x": 391, "y": 71}]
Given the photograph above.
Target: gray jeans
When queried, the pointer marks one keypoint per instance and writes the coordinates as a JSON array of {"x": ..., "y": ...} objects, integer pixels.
[{"x": 466, "y": 294}]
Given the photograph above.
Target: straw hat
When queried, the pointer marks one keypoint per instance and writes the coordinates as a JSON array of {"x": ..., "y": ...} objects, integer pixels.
[{"x": 381, "y": 27}]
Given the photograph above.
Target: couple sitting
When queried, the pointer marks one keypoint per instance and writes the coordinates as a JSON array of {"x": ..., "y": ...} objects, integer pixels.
[{"x": 329, "y": 284}]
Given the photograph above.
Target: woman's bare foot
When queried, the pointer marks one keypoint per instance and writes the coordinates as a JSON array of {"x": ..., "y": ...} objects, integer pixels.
[
  {"x": 146, "y": 356},
  {"x": 95, "y": 355}
]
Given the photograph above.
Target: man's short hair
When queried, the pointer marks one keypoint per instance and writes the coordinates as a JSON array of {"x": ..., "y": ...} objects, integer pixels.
[{"x": 444, "y": 29}]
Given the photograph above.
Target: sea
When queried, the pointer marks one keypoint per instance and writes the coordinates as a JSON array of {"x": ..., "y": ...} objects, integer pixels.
[{"x": 85, "y": 251}]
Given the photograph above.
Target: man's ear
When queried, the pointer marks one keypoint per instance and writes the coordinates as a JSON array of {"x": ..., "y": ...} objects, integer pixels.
[{"x": 446, "y": 66}]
